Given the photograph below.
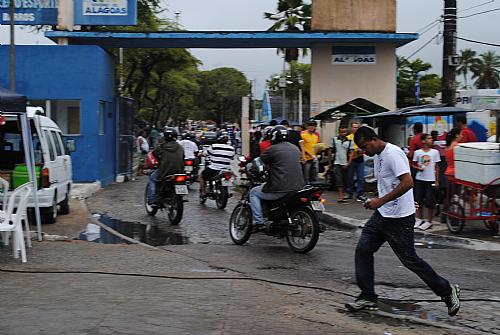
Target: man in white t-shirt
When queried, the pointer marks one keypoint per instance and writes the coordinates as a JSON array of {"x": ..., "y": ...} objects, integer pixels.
[
  {"x": 392, "y": 222},
  {"x": 426, "y": 180}
]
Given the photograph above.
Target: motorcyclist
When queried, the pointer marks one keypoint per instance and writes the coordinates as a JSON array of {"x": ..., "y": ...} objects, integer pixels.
[
  {"x": 219, "y": 156},
  {"x": 170, "y": 156},
  {"x": 283, "y": 160},
  {"x": 190, "y": 151}
]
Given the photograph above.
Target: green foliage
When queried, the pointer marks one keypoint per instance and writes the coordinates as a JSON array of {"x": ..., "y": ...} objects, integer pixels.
[
  {"x": 220, "y": 94},
  {"x": 486, "y": 70},
  {"x": 296, "y": 71},
  {"x": 468, "y": 57},
  {"x": 430, "y": 84}
]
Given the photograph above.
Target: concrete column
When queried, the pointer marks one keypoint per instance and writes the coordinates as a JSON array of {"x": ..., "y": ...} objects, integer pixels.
[{"x": 245, "y": 126}]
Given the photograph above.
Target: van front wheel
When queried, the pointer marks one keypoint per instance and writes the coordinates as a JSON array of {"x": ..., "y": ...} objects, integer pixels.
[
  {"x": 64, "y": 206},
  {"x": 48, "y": 214}
]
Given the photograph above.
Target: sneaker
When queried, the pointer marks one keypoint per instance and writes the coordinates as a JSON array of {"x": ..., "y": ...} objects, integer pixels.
[
  {"x": 259, "y": 227},
  {"x": 418, "y": 223},
  {"x": 426, "y": 225},
  {"x": 362, "y": 305},
  {"x": 452, "y": 301},
  {"x": 361, "y": 198}
]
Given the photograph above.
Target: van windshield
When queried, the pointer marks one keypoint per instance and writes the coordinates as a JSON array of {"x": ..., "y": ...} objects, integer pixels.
[{"x": 11, "y": 145}]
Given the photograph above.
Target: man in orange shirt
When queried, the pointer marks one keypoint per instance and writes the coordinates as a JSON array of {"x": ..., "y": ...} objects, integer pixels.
[
  {"x": 466, "y": 135},
  {"x": 309, "y": 158},
  {"x": 416, "y": 141}
]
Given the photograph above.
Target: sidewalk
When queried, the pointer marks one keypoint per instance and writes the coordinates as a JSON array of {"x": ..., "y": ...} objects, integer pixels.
[{"x": 352, "y": 215}]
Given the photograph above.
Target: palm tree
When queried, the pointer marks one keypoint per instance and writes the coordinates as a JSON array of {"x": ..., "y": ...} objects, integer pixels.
[
  {"x": 468, "y": 59},
  {"x": 487, "y": 70},
  {"x": 292, "y": 15}
]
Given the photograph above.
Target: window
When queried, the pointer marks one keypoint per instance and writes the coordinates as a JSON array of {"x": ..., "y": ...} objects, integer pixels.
[
  {"x": 66, "y": 113},
  {"x": 102, "y": 112},
  {"x": 61, "y": 142},
  {"x": 55, "y": 139},
  {"x": 52, "y": 151}
]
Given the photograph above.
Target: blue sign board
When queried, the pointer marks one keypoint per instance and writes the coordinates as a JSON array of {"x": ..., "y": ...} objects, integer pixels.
[
  {"x": 105, "y": 12},
  {"x": 30, "y": 12}
]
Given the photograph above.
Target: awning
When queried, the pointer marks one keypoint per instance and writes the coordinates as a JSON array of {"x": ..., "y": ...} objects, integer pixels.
[
  {"x": 12, "y": 102},
  {"x": 356, "y": 107},
  {"x": 403, "y": 111},
  {"x": 439, "y": 111}
]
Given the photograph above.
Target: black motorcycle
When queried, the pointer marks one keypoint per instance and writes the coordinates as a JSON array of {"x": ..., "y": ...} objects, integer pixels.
[
  {"x": 217, "y": 189},
  {"x": 171, "y": 191},
  {"x": 191, "y": 171},
  {"x": 293, "y": 216}
]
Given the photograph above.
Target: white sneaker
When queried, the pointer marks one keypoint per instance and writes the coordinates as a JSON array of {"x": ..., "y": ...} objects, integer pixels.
[
  {"x": 426, "y": 225},
  {"x": 418, "y": 223}
]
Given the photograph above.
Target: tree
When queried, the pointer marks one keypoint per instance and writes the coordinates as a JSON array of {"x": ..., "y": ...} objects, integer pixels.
[
  {"x": 486, "y": 70},
  {"x": 430, "y": 84},
  {"x": 292, "y": 15},
  {"x": 468, "y": 59},
  {"x": 297, "y": 71},
  {"x": 220, "y": 94}
]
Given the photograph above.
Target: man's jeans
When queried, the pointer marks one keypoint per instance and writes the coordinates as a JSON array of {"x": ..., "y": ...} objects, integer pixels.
[
  {"x": 358, "y": 169},
  {"x": 152, "y": 198},
  {"x": 399, "y": 233},
  {"x": 256, "y": 195},
  {"x": 310, "y": 170}
]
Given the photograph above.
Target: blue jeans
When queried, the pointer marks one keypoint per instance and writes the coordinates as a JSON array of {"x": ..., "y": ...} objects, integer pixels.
[
  {"x": 310, "y": 170},
  {"x": 358, "y": 169},
  {"x": 399, "y": 233},
  {"x": 256, "y": 194},
  {"x": 152, "y": 197}
]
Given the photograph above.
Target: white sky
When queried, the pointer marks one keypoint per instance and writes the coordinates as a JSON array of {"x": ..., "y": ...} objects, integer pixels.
[{"x": 260, "y": 64}]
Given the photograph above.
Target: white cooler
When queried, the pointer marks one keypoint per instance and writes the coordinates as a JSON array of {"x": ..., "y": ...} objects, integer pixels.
[{"x": 478, "y": 162}]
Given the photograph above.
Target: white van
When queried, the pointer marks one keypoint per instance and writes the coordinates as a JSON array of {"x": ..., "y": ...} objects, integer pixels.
[{"x": 53, "y": 163}]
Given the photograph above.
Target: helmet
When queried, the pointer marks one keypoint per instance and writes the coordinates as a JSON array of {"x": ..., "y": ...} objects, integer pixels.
[
  {"x": 222, "y": 137},
  {"x": 267, "y": 132},
  {"x": 256, "y": 168},
  {"x": 186, "y": 136},
  {"x": 278, "y": 134},
  {"x": 169, "y": 134}
]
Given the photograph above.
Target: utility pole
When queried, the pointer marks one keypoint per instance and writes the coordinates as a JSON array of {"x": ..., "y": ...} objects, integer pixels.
[
  {"x": 12, "y": 49},
  {"x": 449, "y": 50}
]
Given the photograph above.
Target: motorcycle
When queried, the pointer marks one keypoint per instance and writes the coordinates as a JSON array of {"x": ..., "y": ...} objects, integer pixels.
[
  {"x": 170, "y": 193},
  {"x": 191, "y": 171},
  {"x": 293, "y": 217},
  {"x": 218, "y": 189}
]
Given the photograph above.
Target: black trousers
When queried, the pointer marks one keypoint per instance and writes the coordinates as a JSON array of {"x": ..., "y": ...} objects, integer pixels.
[{"x": 399, "y": 233}]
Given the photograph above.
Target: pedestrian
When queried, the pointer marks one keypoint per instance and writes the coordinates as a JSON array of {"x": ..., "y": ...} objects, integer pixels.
[
  {"x": 356, "y": 167},
  {"x": 310, "y": 161},
  {"x": 426, "y": 162},
  {"x": 255, "y": 144},
  {"x": 392, "y": 221},
  {"x": 452, "y": 140},
  {"x": 416, "y": 142},
  {"x": 142, "y": 149},
  {"x": 466, "y": 135},
  {"x": 341, "y": 148},
  {"x": 266, "y": 142}
]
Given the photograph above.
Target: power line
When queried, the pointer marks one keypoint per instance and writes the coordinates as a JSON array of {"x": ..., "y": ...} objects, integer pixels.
[
  {"x": 484, "y": 12},
  {"x": 438, "y": 19},
  {"x": 478, "y": 42},
  {"x": 480, "y": 5},
  {"x": 423, "y": 46},
  {"x": 431, "y": 27}
]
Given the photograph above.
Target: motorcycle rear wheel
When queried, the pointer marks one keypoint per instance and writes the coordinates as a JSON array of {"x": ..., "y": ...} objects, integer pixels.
[
  {"x": 149, "y": 209},
  {"x": 175, "y": 209},
  {"x": 221, "y": 196},
  {"x": 240, "y": 224},
  {"x": 302, "y": 235}
]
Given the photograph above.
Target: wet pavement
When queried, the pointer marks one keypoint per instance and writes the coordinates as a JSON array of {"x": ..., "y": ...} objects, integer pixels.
[{"x": 330, "y": 265}]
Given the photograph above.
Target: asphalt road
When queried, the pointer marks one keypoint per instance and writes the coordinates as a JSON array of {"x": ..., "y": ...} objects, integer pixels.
[{"x": 203, "y": 234}]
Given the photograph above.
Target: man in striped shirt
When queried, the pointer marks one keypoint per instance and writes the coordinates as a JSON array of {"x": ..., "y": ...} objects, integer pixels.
[{"x": 219, "y": 156}]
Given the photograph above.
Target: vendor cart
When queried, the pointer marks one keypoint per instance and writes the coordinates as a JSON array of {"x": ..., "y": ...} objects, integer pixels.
[{"x": 472, "y": 201}]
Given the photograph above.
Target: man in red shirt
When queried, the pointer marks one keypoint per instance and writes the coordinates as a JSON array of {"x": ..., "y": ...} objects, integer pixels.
[
  {"x": 416, "y": 143},
  {"x": 466, "y": 134}
]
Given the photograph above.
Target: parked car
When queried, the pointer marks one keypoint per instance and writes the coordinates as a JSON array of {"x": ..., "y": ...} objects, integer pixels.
[
  {"x": 52, "y": 162},
  {"x": 208, "y": 137}
]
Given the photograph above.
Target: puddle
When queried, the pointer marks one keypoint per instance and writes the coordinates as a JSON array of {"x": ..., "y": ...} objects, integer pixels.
[
  {"x": 152, "y": 234},
  {"x": 431, "y": 245},
  {"x": 407, "y": 309}
]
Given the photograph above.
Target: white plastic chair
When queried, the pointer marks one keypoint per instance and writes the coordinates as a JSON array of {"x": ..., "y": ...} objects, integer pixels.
[
  {"x": 4, "y": 185},
  {"x": 12, "y": 222}
]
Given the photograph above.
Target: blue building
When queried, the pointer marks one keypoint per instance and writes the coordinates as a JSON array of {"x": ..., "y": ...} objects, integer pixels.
[{"x": 75, "y": 85}]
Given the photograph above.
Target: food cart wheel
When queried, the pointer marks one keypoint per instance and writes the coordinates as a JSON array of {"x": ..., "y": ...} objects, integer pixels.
[
  {"x": 492, "y": 226},
  {"x": 455, "y": 225}
]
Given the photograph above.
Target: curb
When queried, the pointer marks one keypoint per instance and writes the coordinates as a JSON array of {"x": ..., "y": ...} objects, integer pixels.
[{"x": 452, "y": 241}]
